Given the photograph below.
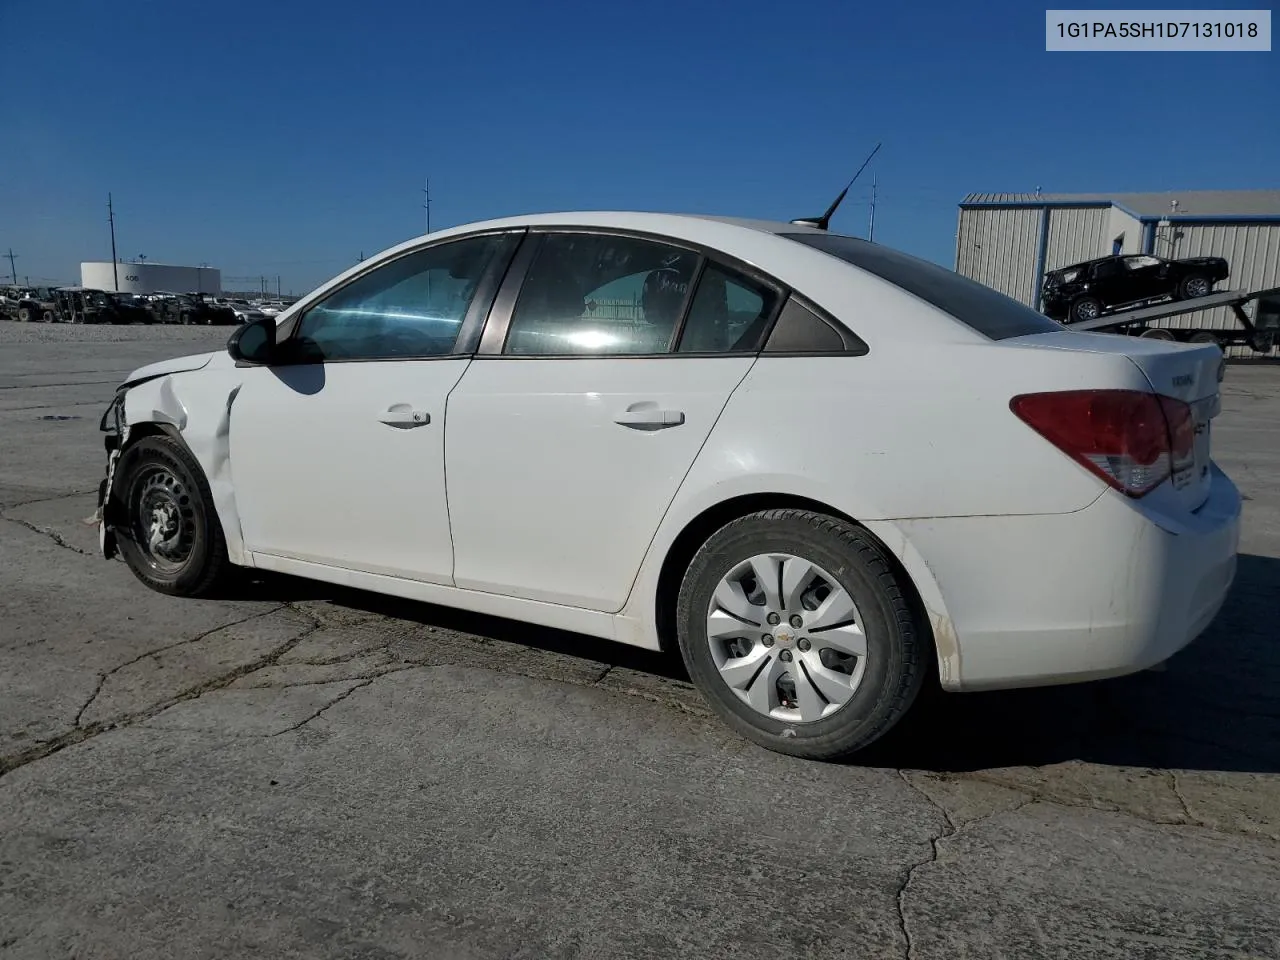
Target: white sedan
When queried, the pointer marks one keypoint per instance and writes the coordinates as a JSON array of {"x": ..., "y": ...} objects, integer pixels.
[{"x": 817, "y": 466}]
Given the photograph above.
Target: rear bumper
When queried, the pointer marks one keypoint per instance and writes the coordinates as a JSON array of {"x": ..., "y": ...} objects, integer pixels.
[{"x": 1104, "y": 591}]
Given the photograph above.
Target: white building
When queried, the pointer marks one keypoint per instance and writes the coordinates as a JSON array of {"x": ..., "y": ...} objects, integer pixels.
[
  {"x": 1010, "y": 240},
  {"x": 149, "y": 277}
]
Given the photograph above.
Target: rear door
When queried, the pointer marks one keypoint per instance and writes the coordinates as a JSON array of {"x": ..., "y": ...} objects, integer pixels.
[
  {"x": 1109, "y": 282},
  {"x": 600, "y": 376}
]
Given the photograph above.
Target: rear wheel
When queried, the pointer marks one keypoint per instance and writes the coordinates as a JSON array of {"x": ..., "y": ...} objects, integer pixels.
[
  {"x": 169, "y": 533},
  {"x": 1158, "y": 333},
  {"x": 1204, "y": 336},
  {"x": 48, "y": 316},
  {"x": 1086, "y": 308},
  {"x": 1195, "y": 285},
  {"x": 798, "y": 632}
]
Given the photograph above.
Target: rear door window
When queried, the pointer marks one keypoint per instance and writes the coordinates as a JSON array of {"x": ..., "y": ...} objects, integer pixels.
[{"x": 977, "y": 306}]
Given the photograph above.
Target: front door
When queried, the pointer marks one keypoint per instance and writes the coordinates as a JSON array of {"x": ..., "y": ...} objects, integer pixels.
[
  {"x": 337, "y": 451},
  {"x": 565, "y": 450},
  {"x": 1145, "y": 278}
]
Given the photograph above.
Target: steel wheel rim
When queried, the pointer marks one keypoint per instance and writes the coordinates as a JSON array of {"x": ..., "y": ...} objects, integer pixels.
[
  {"x": 1087, "y": 310},
  {"x": 786, "y": 638},
  {"x": 164, "y": 522},
  {"x": 1197, "y": 287}
]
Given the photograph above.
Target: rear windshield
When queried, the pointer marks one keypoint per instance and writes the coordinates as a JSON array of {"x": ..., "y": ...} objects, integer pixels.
[{"x": 978, "y": 307}]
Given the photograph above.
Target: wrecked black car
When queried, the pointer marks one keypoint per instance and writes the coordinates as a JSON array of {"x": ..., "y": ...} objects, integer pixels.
[
  {"x": 190, "y": 309},
  {"x": 1086, "y": 291},
  {"x": 34, "y": 304},
  {"x": 79, "y": 305}
]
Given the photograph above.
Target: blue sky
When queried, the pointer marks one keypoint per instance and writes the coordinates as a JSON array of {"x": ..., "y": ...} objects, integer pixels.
[{"x": 287, "y": 137}]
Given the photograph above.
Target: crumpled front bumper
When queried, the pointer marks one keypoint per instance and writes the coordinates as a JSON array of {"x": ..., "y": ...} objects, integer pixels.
[{"x": 115, "y": 434}]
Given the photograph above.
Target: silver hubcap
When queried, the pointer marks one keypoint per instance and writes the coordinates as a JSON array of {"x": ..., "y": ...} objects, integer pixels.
[
  {"x": 165, "y": 520},
  {"x": 786, "y": 638},
  {"x": 1197, "y": 287}
]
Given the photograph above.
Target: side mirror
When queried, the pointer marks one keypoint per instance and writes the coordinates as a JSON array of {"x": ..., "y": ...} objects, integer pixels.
[{"x": 253, "y": 342}]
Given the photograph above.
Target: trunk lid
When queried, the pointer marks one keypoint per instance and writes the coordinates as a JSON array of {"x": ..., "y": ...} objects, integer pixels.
[{"x": 1190, "y": 372}]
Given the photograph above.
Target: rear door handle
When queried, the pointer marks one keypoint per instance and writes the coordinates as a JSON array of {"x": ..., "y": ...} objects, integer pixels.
[
  {"x": 402, "y": 416},
  {"x": 641, "y": 416}
]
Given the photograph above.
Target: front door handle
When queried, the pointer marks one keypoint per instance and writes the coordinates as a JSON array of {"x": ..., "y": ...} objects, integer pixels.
[
  {"x": 648, "y": 416},
  {"x": 404, "y": 417}
]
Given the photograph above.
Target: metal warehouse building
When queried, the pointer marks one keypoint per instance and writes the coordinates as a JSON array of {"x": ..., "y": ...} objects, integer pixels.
[
  {"x": 149, "y": 277},
  {"x": 1010, "y": 240}
]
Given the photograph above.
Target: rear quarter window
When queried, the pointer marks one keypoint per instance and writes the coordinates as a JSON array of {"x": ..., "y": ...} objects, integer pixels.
[{"x": 978, "y": 307}]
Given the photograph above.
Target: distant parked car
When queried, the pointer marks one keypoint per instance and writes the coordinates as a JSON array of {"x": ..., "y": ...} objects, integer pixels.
[
  {"x": 81, "y": 305},
  {"x": 188, "y": 309},
  {"x": 35, "y": 304},
  {"x": 1086, "y": 291},
  {"x": 246, "y": 313}
]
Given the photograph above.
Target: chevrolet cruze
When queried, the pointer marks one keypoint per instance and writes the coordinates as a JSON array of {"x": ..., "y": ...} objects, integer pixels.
[{"x": 822, "y": 469}]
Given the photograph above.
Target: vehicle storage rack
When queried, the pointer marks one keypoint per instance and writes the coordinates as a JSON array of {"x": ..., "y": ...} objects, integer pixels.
[{"x": 1259, "y": 334}]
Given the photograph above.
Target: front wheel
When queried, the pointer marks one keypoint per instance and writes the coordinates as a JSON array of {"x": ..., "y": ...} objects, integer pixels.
[
  {"x": 1086, "y": 308},
  {"x": 1194, "y": 286},
  {"x": 797, "y": 630},
  {"x": 169, "y": 535}
]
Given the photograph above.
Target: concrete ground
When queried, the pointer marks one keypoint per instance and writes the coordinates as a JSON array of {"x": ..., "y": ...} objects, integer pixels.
[{"x": 304, "y": 772}]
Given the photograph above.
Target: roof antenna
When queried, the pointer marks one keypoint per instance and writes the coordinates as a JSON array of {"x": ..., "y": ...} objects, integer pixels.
[{"x": 824, "y": 221}]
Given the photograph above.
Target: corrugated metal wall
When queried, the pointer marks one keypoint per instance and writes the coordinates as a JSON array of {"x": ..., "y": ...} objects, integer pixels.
[
  {"x": 997, "y": 246},
  {"x": 1076, "y": 234},
  {"x": 1252, "y": 250}
]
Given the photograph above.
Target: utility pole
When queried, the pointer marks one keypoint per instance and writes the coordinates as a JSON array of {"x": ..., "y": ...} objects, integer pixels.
[
  {"x": 871, "y": 227},
  {"x": 426, "y": 201},
  {"x": 277, "y": 286},
  {"x": 12, "y": 269},
  {"x": 111, "y": 219}
]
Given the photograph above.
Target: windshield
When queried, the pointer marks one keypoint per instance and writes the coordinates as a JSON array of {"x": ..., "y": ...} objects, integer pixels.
[{"x": 978, "y": 307}]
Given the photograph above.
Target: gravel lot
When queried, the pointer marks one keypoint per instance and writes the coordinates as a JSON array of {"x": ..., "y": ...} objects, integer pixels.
[{"x": 308, "y": 772}]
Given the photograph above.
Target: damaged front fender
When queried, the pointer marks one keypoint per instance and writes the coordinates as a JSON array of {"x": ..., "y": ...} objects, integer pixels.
[{"x": 193, "y": 407}]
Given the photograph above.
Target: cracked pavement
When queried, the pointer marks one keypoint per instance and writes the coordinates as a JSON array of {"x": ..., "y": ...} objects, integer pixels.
[{"x": 303, "y": 771}]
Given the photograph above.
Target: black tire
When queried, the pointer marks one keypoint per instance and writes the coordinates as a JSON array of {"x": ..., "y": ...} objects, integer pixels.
[
  {"x": 24, "y": 314},
  {"x": 896, "y": 650},
  {"x": 1086, "y": 308},
  {"x": 1158, "y": 333},
  {"x": 1194, "y": 285},
  {"x": 48, "y": 317},
  {"x": 206, "y": 568},
  {"x": 1204, "y": 336}
]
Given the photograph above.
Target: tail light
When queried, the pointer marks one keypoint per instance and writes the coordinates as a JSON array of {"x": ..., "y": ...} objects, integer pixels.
[{"x": 1132, "y": 440}]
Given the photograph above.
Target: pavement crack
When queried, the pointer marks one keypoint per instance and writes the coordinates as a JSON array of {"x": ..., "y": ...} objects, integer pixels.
[
  {"x": 60, "y": 496},
  {"x": 332, "y": 703},
  {"x": 603, "y": 673},
  {"x": 51, "y": 534},
  {"x": 1182, "y": 800},
  {"x": 80, "y": 734},
  {"x": 948, "y": 830},
  {"x": 102, "y": 678}
]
